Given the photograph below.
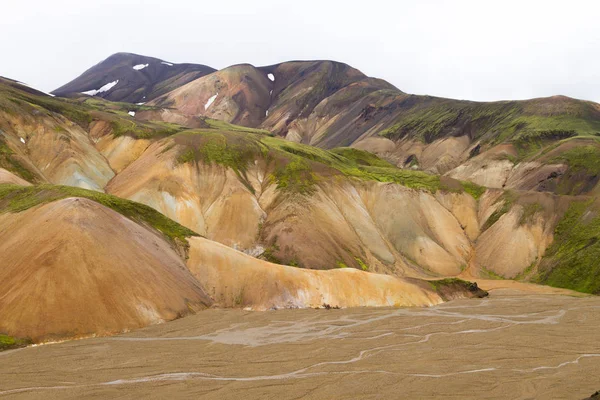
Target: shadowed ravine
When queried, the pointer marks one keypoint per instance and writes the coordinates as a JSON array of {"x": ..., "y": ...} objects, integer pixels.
[{"x": 510, "y": 345}]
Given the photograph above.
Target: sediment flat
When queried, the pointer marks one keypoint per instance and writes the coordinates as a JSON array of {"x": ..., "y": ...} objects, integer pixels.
[{"x": 513, "y": 345}]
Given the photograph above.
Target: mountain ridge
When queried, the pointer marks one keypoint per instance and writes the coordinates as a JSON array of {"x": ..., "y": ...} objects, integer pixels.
[{"x": 328, "y": 105}]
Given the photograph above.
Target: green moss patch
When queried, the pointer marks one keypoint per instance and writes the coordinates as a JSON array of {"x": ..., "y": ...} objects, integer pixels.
[
  {"x": 361, "y": 157},
  {"x": 354, "y": 163},
  {"x": 584, "y": 159},
  {"x": 529, "y": 124},
  {"x": 530, "y": 142},
  {"x": 572, "y": 260},
  {"x": 142, "y": 130},
  {"x": 295, "y": 176},
  {"x": 226, "y": 126},
  {"x": 17, "y": 100},
  {"x": 433, "y": 118},
  {"x": 230, "y": 149},
  {"x": 297, "y": 167},
  {"x": 361, "y": 264},
  {"x": 473, "y": 189},
  {"x": 584, "y": 170},
  {"x": 20, "y": 100},
  {"x": 269, "y": 254},
  {"x": 9, "y": 342}
]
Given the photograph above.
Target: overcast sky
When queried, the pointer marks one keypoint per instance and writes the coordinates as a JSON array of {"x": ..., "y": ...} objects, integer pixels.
[{"x": 478, "y": 50}]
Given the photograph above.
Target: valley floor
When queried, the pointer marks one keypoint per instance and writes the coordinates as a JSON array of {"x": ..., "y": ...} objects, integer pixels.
[{"x": 513, "y": 344}]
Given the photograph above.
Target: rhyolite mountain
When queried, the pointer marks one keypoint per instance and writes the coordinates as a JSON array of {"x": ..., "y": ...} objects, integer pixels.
[{"x": 298, "y": 184}]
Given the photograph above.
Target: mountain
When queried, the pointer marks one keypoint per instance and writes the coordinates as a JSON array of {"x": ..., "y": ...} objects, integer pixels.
[
  {"x": 300, "y": 184},
  {"x": 297, "y": 204},
  {"x": 132, "y": 78},
  {"x": 271, "y": 97}
]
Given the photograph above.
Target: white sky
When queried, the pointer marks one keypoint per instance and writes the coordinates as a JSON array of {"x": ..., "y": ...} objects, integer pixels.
[{"x": 479, "y": 50}]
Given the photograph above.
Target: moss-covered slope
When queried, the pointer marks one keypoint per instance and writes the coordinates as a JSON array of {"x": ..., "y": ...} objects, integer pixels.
[{"x": 572, "y": 259}]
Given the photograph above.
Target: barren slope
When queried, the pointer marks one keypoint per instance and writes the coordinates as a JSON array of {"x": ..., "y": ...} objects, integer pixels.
[
  {"x": 9, "y": 177},
  {"x": 73, "y": 268},
  {"x": 239, "y": 94},
  {"x": 235, "y": 279}
]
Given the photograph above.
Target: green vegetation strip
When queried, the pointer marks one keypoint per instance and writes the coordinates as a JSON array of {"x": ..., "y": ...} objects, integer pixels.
[
  {"x": 139, "y": 130},
  {"x": 354, "y": 163},
  {"x": 528, "y": 143},
  {"x": 473, "y": 189},
  {"x": 9, "y": 342},
  {"x": 584, "y": 159},
  {"x": 15, "y": 198},
  {"x": 572, "y": 260},
  {"x": 298, "y": 167},
  {"x": 528, "y": 124}
]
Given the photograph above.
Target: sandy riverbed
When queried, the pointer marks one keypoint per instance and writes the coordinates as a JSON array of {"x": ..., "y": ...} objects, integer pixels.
[{"x": 511, "y": 345}]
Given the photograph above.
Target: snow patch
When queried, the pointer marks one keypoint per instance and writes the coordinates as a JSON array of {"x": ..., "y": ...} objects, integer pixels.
[
  {"x": 270, "y": 92},
  {"x": 166, "y": 63},
  {"x": 267, "y": 113},
  {"x": 22, "y": 140},
  {"x": 210, "y": 101},
  {"x": 139, "y": 104},
  {"x": 132, "y": 113},
  {"x": 140, "y": 67},
  {"x": 271, "y": 77},
  {"x": 103, "y": 89}
]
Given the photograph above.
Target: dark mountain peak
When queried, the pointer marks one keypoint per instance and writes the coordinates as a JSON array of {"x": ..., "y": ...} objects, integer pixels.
[{"x": 133, "y": 78}]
